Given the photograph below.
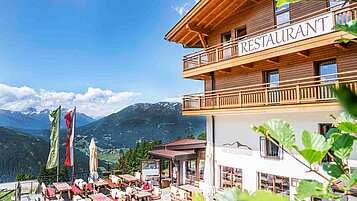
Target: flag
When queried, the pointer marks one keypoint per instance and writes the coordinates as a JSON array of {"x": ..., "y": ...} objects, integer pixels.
[
  {"x": 69, "y": 119},
  {"x": 53, "y": 155}
]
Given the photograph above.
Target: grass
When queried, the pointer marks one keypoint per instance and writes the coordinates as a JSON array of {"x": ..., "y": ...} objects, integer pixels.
[{"x": 8, "y": 197}]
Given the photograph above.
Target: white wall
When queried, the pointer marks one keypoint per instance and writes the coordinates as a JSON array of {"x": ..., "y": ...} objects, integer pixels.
[{"x": 230, "y": 128}]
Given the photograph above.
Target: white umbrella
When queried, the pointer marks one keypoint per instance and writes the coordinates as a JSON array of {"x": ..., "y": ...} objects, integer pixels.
[
  {"x": 93, "y": 162},
  {"x": 208, "y": 191}
]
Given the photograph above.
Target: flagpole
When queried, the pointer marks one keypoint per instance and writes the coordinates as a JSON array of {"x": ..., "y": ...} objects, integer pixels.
[
  {"x": 73, "y": 133},
  {"x": 58, "y": 144}
]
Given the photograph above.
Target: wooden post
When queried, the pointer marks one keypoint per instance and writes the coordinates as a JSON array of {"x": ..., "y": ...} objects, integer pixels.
[
  {"x": 199, "y": 102},
  {"x": 266, "y": 96},
  {"x": 217, "y": 54},
  {"x": 218, "y": 105},
  {"x": 240, "y": 99},
  {"x": 199, "y": 60},
  {"x": 298, "y": 93}
]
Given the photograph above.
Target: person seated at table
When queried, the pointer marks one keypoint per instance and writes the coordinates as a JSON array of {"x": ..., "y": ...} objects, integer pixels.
[
  {"x": 130, "y": 192},
  {"x": 146, "y": 186}
]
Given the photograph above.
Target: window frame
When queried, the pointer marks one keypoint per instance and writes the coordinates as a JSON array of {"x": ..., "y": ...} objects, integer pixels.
[
  {"x": 233, "y": 184},
  {"x": 276, "y": 13},
  {"x": 274, "y": 181},
  {"x": 224, "y": 34},
  {"x": 240, "y": 29}
]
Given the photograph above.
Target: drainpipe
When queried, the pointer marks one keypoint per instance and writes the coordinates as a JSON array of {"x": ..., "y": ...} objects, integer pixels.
[{"x": 213, "y": 134}]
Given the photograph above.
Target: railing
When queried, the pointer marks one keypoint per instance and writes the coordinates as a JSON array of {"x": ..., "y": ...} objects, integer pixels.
[
  {"x": 225, "y": 51},
  {"x": 317, "y": 89}
]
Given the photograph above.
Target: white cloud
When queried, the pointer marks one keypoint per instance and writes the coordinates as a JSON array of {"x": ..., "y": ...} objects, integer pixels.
[
  {"x": 173, "y": 99},
  {"x": 184, "y": 8},
  {"x": 94, "y": 102}
]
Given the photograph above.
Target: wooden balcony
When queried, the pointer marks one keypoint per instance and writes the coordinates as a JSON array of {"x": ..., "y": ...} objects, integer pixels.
[
  {"x": 221, "y": 54},
  {"x": 289, "y": 93}
]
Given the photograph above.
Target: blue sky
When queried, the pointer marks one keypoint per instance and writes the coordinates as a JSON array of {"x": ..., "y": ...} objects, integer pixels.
[{"x": 99, "y": 55}]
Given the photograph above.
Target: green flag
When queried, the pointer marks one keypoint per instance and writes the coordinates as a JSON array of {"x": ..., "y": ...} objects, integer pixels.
[{"x": 53, "y": 156}]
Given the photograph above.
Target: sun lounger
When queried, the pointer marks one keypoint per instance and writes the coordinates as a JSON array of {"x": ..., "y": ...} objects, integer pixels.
[
  {"x": 75, "y": 190},
  {"x": 48, "y": 192},
  {"x": 111, "y": 184}
]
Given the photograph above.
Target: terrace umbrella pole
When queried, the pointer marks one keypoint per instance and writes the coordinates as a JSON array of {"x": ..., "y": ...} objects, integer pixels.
[{"x": 74, "y": 150}]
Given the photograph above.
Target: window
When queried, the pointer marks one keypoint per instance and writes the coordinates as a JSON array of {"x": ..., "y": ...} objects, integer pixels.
[
  {"x": 231, "y": 177},
  {"x": 226, "y": 48},
  {"x": 190, "y": 171},
  {"x": 274, "y": 183},
  {"x": 282, "y": 15},
  {"x": 323, "y": 129},
  {"x": 226, "y": 37},
  {"x": 334, "y": 4},
  {"x": 269, "y": 148},
  {"x": 272, "y": 80},
  {"x": 240, "y": 32},
  {"x": 327, "y": 70}
]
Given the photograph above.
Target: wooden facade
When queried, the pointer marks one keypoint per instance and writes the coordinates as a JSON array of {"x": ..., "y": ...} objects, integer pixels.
[{"x": 236, "y": 82}]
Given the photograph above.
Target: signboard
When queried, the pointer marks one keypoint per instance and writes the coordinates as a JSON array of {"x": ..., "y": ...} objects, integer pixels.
[
  {"x": 150, "y": 168},
  {"x": 289, "y": 34},
  {"x": 237, "y": 148}
]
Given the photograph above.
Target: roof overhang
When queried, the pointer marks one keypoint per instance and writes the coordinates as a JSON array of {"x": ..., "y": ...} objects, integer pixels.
[
  {"x": 173, "y": 155},
  {"x": 204, "y": 17}
]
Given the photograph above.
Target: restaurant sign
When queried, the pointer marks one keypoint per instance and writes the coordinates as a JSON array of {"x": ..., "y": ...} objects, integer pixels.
[
  {"x": 237, "y": 148},
  {"x": 289, "y": 34}
]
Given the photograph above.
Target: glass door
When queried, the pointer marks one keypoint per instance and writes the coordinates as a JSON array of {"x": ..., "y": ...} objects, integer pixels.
[
  {"x": 226, "y": 50},
  {"x": 272, "y": 79},
  {"x": 327, "y": 70}
]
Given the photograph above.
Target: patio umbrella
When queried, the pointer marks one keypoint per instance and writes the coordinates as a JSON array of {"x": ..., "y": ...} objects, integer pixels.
[
  {"x": 208, "y": 190},
  {"x": 93, "y": 162}
]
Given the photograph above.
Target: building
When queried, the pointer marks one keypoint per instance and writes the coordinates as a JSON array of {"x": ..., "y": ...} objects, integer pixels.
[
  {"x": 259, "y": 62},
  {"x": 181, "y": 161}
]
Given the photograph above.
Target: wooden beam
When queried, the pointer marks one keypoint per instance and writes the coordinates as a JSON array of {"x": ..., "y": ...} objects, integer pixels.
[
  {"x": 203, "y": 41},
  {"x": 227, "y": 14},
  {"x": 183, "y": 38},
  {"x": 190, "y": 39},
  {"x": 219, "y": 14},
  {"x": 197, "y": 30},
  {"x": 226, "y": 70},
  {"x": 342, "y": 46},
  {"x": 274, "y": 60},
  {"x": 217, "y": 6},
  {"x": 250, "y": 65},
  {"x": 255, "y": 1},
  {"x": 194, "y": 42},
  {"x": 305, "y": 53}
]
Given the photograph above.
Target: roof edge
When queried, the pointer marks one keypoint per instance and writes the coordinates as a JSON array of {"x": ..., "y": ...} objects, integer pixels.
[{"x": 185, "y": 19}]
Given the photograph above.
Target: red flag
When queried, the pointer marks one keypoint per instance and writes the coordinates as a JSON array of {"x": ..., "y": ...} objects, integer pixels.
[{"x": 69, "y": 119}]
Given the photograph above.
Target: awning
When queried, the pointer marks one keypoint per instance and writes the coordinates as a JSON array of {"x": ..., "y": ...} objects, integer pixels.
[{"x": 174, "y": 155}]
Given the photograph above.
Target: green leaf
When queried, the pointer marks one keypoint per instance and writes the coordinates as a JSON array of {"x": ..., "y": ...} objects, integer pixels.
[
  {"x": 353, "y": 179},
  {"x": 281, "y": 131},
  {"x": 342, "y": 145},
  {"x": 333, "y": 169},
  {"x": 347, "y": 98},
  {"x": 350, "y": 27},
  {"x": 197, "y": 197},
  {"x": 283, "y": 2},
  {"x": 268, "y": 196},
  {"x": 332, "y": 130},
  {"x": 315, "y": 147},
  {"x": 345, "y": 117},
  {"x": 311, "y": 188},
  {"x": 348, "y": 127},
  {"x": 231, "y": 194}
]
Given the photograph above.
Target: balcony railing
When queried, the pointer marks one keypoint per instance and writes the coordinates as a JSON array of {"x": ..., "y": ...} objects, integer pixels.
[
  {"x": 317, "y": 89},
  {"x": 225, "y": 51}
]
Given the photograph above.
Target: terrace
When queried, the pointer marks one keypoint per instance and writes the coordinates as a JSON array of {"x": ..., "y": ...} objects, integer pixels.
[{"x": 298, "y": 92}]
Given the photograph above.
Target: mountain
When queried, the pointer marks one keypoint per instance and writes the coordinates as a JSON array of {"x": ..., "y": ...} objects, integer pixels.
[
  {"x": 142, "y": 121},
  {"x": 32, "y": 119},
  {"x": 23, "y": 152}
]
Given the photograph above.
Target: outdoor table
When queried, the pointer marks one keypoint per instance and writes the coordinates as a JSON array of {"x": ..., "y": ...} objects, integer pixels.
[
  {"x": 60, "y": 187},
  {"x": 99, "y": 197},
  {"x": 129, "y": 178},
  {"x": 100, "y": 183},
  {"x": 142, "y": 194},
  {"x": 190, "y": 188}
]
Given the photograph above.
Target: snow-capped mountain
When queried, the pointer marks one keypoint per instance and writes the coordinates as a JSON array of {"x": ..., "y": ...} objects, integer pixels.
[{"x": 35, "y": 119}]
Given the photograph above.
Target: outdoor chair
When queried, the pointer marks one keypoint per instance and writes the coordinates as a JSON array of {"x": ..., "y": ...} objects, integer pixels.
[
  {"x": 174, "y": 193},
  {"x": 156, "y": 194},
  {"x": 183, "y": 195},
  {"x": 111, "y": 184},
  {"x": 48, "y": 192}
]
